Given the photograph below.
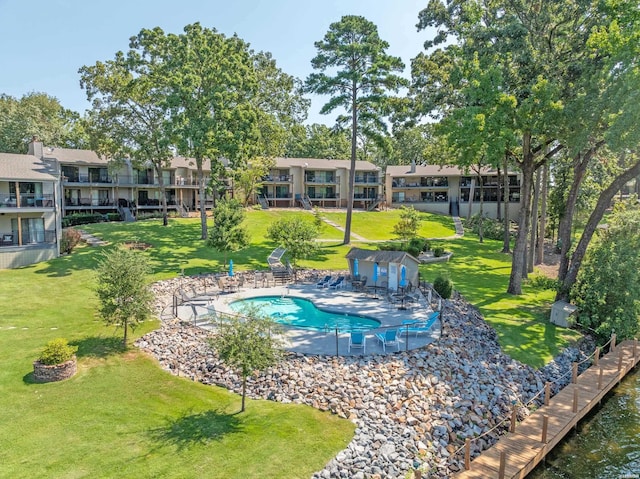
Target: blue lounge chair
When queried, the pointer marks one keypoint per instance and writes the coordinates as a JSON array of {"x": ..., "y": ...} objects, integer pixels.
[
  {"x": 389, "y": 338},
  {"x": 424, "y": 326},
  {"x": 323, "y": 282},
  {"x": 357, "y": 339},
  {"x": 338, "y": 283}
]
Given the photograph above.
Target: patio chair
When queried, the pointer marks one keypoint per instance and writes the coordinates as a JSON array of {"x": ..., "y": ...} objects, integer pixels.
[
  {"x": 338, "y": 283},
  {"x": 419, "y": 327},
  {"x": 389, "y": 338},
  {"x": 357, "y": 339},
  {"x": 324, "y": 281}
]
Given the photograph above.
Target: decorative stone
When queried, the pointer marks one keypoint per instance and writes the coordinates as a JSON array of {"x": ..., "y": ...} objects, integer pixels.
[{"x": 47, "y": 373}]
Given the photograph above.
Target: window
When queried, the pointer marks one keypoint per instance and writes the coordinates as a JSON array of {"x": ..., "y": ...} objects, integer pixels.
[{"x": 32, "y": 229}]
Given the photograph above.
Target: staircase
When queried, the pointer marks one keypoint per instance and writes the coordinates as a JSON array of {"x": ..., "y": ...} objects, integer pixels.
[
  {"x": 306, "y": 203},
  {"x": 183, "y": 211},
  {"x": 374, "y": 204},
  {"x": 126, "y": 214},
  {"x": 263, "y": 202}
]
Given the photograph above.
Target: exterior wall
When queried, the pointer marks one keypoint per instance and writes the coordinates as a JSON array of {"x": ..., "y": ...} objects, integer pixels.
[{"x": 18, "y": 256}]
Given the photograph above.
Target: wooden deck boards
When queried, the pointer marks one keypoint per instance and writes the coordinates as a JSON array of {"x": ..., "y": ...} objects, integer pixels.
[{"x": 523, "y": 448}]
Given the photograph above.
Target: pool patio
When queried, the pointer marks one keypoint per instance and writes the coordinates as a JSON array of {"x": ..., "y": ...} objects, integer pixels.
[{"x": 310, "y": 341}]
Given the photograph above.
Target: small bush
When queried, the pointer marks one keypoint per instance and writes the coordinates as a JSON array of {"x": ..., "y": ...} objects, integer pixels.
[
  {"x": 443, "y": 286},
  {"x": 70, "y": 239},
  {"x": 540, "y": 281},
  {"x": 421, "y": 244},
  {"x": 317, "y": 217},
  {"x": 81, "y": 219},
  {"x": 113, "y": 217},
  {"x": 438, "y": 251},
  {"x": 390, "y": 246},
  {"x": 57, "y": 351},
  {"x": 491, "y": 229}
]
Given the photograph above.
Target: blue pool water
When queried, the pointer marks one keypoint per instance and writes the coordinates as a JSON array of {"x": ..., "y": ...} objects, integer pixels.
[{"x": 302, "y": 313}]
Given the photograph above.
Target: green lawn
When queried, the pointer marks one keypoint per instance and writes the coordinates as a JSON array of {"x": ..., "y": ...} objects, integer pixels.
[
  {"x": 122, "y": 415},
  {"x": 378, "y": 225},
  {"x": 481, "y": 273}
]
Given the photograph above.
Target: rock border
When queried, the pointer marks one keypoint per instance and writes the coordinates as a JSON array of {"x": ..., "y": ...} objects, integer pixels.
[{"x": 47, "y": 373}]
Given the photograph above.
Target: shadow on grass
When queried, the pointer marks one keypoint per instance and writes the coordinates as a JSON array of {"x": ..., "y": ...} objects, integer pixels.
[
  {"x": 99, "y": 346},
  {"x": 199, "y": 428}
]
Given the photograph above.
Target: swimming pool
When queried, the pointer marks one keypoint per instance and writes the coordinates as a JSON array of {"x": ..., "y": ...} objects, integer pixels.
[{"x": 302, "y": 313}]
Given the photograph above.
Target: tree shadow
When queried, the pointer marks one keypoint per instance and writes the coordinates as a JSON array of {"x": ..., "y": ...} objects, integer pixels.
[
  {"x": 200, "y": 428},
  {"x": 99, "y": 346}
]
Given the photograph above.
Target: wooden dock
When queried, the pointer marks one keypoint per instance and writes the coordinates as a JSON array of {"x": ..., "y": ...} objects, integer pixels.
[{"x": 519, "y": 452}]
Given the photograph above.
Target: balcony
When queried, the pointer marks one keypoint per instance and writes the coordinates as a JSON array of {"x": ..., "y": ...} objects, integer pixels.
[
  {"x": 33, "y": 238},
  {"x": 277, "y": 179},
  {"x": 87, "y": 179},
  {"x": 369, "y": 180},
  {"x": 26, "y": 200},
  {"x": 321, "y": 180},
  {"x": 89, "y": 202}
]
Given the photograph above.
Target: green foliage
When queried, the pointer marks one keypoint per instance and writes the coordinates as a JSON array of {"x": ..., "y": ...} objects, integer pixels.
[
  {"x": 125, "y": 299},
  {"x": 409, "y": 223},
  {"x": 318, "y": 141},
  {"x": 542, "y": 282},
  {"x": 227, "y": 233},
  {"x": 491, "y": 229},
  {"x": 69, "y": 240},
  {"x": 247, "y": 343},
  {"x": 443, "y": 286},
  {"x": 295, "y": 234},
  {"x": 113, "y": 217},
  {"x": 57, "y": 351},
  {"x": 607, "y": 290},
  {"x": 417, "y": 245},
  {"x": 248, "y": 179},
  {"x": 76, "y": 219},
  {"x": 317, "y": 217},
  {"x": 438, "y": 251}
]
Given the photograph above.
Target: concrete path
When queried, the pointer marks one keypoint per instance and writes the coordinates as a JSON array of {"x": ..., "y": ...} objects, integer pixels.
[
  {"x": 457, "y": 222},
  {"x": 355, "y": 236},
  {"x": 91, "y": 240}
]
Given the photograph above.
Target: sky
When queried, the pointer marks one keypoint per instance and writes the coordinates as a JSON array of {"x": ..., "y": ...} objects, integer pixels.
[{"x": 45, "y": 42}]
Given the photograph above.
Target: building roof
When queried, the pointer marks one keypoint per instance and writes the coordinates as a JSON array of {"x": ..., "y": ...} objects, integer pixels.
[
  {"x": 323, "y": 164},
  {"x": 17, "y": 167},
  {"x": 432, "y": 170},
  {"x": 77, "y": 157},
  {"x": 376, "y": 256}
]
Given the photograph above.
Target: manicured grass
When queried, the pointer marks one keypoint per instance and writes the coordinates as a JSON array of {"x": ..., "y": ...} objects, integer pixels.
[
  {"x": 378, "y": 225},
  {"x": 122, "y": 415},
  {"x": 481, "y": 273}
]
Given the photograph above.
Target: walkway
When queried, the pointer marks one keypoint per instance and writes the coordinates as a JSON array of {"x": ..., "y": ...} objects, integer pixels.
[
  {"x": 341, "y": 301},
  {"x": 457, "y": 222},
  {"x": 355, "y": 236},
  {"x": 90, "y": 239},
  {"x": 517, "y": 454}
]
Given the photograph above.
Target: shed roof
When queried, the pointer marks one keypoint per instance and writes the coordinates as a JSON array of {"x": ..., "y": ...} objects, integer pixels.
[{"x": 380, "y": 256}]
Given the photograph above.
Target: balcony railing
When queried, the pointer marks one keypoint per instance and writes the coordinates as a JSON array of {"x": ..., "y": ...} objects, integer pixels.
[
  {"x": 88, "y": 202},
  {"x": 322, "y": 196},
  {"x": 28, "y": 238},
  {"x": 278, "y": 178},
  {"x": 88, "y": 179},
  {"x": 321, "y": 180},
  {"x": 367, "y": 180},
  {"x": 26, "y": 200}
]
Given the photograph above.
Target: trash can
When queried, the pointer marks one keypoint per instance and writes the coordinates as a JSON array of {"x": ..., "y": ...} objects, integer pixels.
[{"x": 562, "y": 314}]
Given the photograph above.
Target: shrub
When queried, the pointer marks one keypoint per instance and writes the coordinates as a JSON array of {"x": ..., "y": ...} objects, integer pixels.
[
  {"x": 421, "y": 244},
  {"x": 317, "y": 217},
  {"x": 491, "y": 229},
  {"x": 57, "y": 351},
  {"x": 540, "y": 281},
  {"x": 443, "y": 286},
  {"x": 438, "y": 251},
  {"x": 113, "y": 217},
  {"x": 390, "y": 246},
  {"x": 81, "y": 219},
  {"x": 70, "y": 239}
]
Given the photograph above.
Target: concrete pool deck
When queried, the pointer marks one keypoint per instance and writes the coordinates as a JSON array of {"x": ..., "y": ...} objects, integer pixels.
[{"x": 310, "y": 341}]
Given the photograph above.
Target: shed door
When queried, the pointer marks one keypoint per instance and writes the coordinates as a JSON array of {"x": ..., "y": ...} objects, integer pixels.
[{"x": 393, "y": 276}]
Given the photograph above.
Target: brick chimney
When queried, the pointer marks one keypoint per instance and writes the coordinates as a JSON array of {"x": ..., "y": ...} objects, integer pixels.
[{"x": 35, "y": 148}]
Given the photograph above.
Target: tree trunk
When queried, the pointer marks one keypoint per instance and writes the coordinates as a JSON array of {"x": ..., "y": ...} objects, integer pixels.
[
  {"x": 472, "y": 191},
  {"x": 480, "y": 228},
  {"x": 534, "y": 223},
  {"x": 163, "y": 194},
  {"x": 352, "y": 168},
  {"x": 604, "y": 200},
  {"x": 499, "y": 204},
  {"x": 126, "y": 330},
  {"x": 244, "y": 392},
  {"x": 506, "y": 243},
  {"x": 201, "y": 193},
  {"x": 543, "y": 213},
  {"x": 518, "y": 269}
]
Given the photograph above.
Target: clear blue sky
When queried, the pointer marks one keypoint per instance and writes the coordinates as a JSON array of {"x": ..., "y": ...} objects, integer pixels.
[{"x": 45, "y": 42}]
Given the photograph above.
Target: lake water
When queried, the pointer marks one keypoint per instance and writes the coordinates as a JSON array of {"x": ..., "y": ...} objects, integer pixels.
[{"x": 607, "y": 442}]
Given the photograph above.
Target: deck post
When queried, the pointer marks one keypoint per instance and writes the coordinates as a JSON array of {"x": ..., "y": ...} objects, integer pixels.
[
  {"x": 613, "y": 341},
  {"x": 547, "y": 393},
  {"x": 596, "y": 356},
  {"x": 337, "y": 347},
  {"x": 503, "y": 464},
  {"x": 575, "y": 400},
  {"x": 600, "y": 379},
  {"x": 467, "y": 454},
  {"x": 514, "y": 418},
  {"x": 620, "y": 359},
  {"x": 574, "y": 372},
  {"x": 545, "y": 426}
]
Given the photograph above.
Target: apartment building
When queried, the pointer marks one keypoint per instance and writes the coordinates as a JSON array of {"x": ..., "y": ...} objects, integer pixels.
[
  {"x": 30, "y": 215},
  {"x": 448, "y": 190},
  {"x": 309, "y": 182}
]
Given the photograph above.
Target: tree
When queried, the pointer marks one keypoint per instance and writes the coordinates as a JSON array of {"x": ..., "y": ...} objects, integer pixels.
[
  {"x": 248, "y": 343},
  {"x": 129, "y": 113},
  {"x": 227, "y": 233},
  {"x": 409, "y": 223},
  {"x": 249, "y": 179},
  {"x": 318, "y": 141},
  {"x": 364, "y": 74},
  {"x": 607, "y": 291},
  {"x": 125, "y": 299},
  {"x": 296, "y": 235},
  {"x": 38, "y": 115}
]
